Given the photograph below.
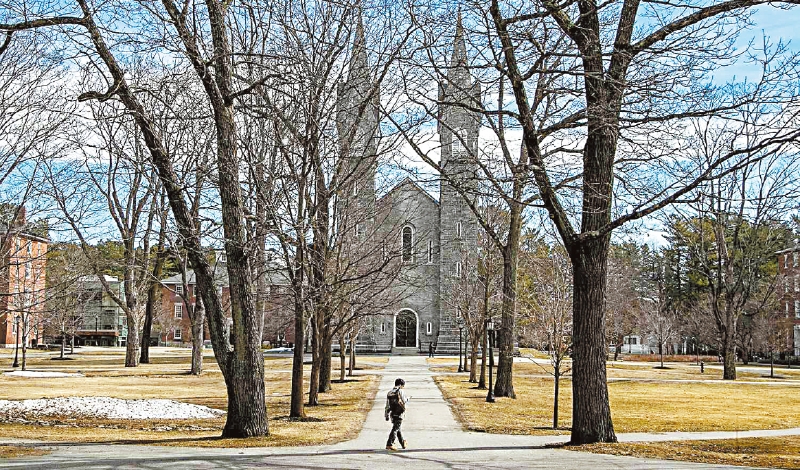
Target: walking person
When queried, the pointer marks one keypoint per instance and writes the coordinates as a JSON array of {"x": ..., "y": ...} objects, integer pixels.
[
  {"x": 431, "y": 348},
  {"x": 395, "y": 409}
]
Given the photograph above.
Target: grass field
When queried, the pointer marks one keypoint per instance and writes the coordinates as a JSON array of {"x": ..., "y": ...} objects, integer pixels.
[
  {"x": 776, "y": 452},
  {"x": 643, "y": 399},
  {"x": 343, "y": 409}
]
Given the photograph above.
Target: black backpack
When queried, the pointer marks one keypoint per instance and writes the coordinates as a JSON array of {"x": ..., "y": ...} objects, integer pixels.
[{"x": 396, "y": 407}]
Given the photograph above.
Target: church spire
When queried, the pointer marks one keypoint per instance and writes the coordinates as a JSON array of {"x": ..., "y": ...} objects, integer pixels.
[
  {"x": 359, "y": 68},
  {"x": 459, "y": 58}
]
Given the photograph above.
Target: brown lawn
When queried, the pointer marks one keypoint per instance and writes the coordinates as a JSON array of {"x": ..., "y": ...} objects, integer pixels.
[
  {"x": 343, "y": 409},
  {"x": 775, "y": 452},
  {"x": 642, "y": 400}
]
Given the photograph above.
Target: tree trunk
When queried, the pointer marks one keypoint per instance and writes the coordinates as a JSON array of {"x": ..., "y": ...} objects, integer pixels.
[
  {"x": 326, "y": 358},
  {"x": 313, "y": 382},
  {"x": 352, "y": 365},
  {"x": 772, "y": 365},
  {"x": 147, "y": 327},
  {"x": 729, "y": 357},
  {"x": 24, "y": 346},
  {"x": 504, "y": 385},
  {"x": 132, "y": 343},
  {"x": 63, "y": 345},
  {"x": 72, "y": 344},
  {"x": 591, "y": 414},
  {"x": 473, "y": 363},
  {"x": 198, "y": 321},
  {"x": 153, "y": 296},
  {"x": 342, "y": 358},
  {"x": 556, "y": 379},
  {"x": 297, "y": 409},
  {"x": 482, "y": 379}
]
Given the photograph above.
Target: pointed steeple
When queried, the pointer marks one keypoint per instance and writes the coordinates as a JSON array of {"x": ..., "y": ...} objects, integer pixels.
[
  {"x": 359, "y": 68},
  {"x": 459, "y": 58}
]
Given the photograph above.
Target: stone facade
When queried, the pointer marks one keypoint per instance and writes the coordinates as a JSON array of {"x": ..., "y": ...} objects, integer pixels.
[{"x": 430, "y": 240}]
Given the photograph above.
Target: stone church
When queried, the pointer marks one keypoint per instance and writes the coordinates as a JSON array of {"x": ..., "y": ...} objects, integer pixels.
[{"x": 435, "y": 237}]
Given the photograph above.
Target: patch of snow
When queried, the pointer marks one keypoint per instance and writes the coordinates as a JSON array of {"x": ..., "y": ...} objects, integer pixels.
[
  {"x": 40, "y": 374},
  {"x": 109, "y": 408}
]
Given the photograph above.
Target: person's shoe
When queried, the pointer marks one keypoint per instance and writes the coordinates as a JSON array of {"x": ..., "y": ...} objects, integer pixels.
[
  {"x": 404, "y": 444},
  {"x": 391, "y": 448}
]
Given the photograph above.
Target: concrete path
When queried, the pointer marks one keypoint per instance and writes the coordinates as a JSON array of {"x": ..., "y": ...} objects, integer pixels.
[{"x": 435, "y": 441}]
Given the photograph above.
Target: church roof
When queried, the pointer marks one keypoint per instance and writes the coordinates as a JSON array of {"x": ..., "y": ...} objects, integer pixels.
[{"x": 408, "y": 182}]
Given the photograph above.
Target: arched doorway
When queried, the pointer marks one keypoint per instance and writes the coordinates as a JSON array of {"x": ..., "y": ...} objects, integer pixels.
[{"x": 405, "y": 329}]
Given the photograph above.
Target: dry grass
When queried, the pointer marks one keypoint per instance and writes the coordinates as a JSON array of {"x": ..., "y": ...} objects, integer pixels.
[
  {"x": 343, "y": 409},
  {"x": 10, "y": 452},
  {"x": 775, "y": 452},
  {"x": 644, "y": 404}
]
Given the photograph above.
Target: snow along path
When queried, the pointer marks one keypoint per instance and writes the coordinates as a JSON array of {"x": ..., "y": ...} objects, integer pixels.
[
  {"x": 106, "y": 407},
  {"x": 40, "y": 374}
]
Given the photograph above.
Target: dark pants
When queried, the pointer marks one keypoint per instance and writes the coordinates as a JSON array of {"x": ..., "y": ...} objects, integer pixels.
[{"x": 396, "y": 423}]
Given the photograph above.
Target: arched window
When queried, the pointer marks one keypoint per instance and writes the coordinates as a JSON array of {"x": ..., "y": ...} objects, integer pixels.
[
  {"x": 430, "y": 251},
  {"x": 458, "y": 268},
  {"x": 408, "y": 243},
  {"x": 458, "y": 229}
]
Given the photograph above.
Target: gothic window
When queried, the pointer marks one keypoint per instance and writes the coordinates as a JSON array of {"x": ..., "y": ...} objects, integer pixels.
[
  {"x": 458, "y": 268},
  {"x": 430, "y": 251},
  {"x": 408, "y": 243},
  {"x": 458, "y": 229},
  {"x": 429, "y": 328},
  {"x": 459, "y": 140},
  {"x": 383, "y": 328}
]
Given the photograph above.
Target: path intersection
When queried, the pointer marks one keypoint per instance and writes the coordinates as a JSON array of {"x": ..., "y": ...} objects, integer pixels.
[{"x": 435, "y": 441}]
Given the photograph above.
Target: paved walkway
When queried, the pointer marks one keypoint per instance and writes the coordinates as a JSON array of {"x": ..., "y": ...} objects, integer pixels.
[{"x": 435, "y": 441}]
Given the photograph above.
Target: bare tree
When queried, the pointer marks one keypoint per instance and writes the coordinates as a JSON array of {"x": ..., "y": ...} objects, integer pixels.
[
  {"x": 200, "y": 33},
  {"x": 607, "y": 155},
  {"x": 548, "y": 304}
]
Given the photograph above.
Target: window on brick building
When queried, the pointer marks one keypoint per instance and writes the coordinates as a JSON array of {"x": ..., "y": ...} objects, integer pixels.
[
  {"x": 177, "y": 334},
  {"x": 179, "y": 289},
  {"x": 797, "y": 308},
  {"x": 178, "y": 311},
  {"x": 794, "y": 259},
  {"x": 796, "y": 283},
  {"x": 787, "y": 308},
  {"x": 786, "y": 261}
]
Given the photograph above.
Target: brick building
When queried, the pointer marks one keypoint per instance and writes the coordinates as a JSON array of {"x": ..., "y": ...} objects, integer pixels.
[
  {"x": 177, "y": 297},
  {"x": 789, "y": 292},
  {"x": 23, "y": 269}
]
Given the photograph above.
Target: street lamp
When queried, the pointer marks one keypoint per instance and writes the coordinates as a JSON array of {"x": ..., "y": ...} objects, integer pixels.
[
  {"x": 490, "y": 340},
  {"x": 460, "y": 323},
  {"x": 16, "y": 343}
]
